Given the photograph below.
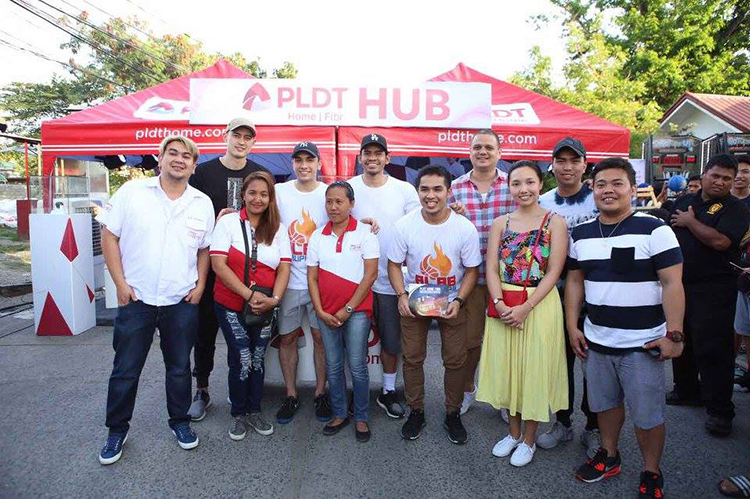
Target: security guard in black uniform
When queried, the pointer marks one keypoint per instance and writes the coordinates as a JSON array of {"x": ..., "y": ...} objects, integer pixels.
[{"x": 709, "y": 226}]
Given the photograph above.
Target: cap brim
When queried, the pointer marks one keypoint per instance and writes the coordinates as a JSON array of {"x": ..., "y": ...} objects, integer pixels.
[
  {"x": 308, "y": 151},
  {"x": 580, "y": 153},
  {"x": 373, "y": 142}
]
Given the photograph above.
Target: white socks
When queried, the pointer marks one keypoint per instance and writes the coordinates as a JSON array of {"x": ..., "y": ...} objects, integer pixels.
[{"x": 389, "y": 382}]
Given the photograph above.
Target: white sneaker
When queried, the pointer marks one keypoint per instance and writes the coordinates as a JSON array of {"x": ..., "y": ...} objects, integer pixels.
[
  {"x": 505, "y": 446},
  {"x": 469, "y": 398},
  {"x": 504, "y": 415},
  {"x": 592, "y": 441},
  {"x": 558, "y": 433},
  {"x": 522, "y": 455}
]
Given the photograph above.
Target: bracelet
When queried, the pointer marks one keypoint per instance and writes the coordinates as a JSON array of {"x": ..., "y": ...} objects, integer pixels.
[
  {"x": 276, "y": 297},
  {"x": 402, "y": 293}
]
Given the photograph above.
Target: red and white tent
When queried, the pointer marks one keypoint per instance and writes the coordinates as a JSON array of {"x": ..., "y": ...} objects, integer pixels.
[
  {"x": 135, "y": 124},
  {"x": 529, "y": 125}
]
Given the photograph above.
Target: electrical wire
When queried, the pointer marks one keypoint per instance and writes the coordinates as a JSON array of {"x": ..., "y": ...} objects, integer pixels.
[
  {"x": 119, "y": 39},
  {"x": 112, "y": 16},
  {"x": 82, "y": 70},
  {"x": 79, "y": 36}
]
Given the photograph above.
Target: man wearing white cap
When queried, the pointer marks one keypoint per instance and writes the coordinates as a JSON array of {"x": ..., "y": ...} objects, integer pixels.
[{"x": 221, "y": 180}]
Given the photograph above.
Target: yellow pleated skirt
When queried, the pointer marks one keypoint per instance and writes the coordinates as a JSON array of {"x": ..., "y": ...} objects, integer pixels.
[{"x": 525, "y": 370}]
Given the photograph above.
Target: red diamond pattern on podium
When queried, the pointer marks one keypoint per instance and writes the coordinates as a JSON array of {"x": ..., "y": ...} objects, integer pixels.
[
  {"x": 91, "y": 294},
  {"x": 52, "y": 322},
  {"x": 69, "y": 248}
]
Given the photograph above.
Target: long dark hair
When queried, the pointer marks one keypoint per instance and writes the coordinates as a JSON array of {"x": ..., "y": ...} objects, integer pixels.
[{"x": 270, "y": 219}]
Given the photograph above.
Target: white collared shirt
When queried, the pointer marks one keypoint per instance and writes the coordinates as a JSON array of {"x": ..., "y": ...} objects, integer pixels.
[{"x": 159, "y": 238}]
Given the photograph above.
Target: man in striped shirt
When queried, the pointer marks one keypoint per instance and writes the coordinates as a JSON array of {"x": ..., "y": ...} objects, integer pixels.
[
  {"x": 481, "y": 195},
  {"x": 628, "y": 266}
]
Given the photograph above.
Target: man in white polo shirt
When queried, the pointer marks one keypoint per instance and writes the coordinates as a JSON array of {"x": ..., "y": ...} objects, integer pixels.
[
  {"x": 385, "y": 199},
  {"x": 155, "y": 243},
  {"x": 442, "y": 248},
  {"x": 302, "y": 208}
]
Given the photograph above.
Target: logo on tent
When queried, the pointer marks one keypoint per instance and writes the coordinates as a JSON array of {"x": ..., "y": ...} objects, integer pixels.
[
  {"x": 158, "y": 108},
  {"x": 256, "y": 94},
  {"x": 521, "y": 113}
]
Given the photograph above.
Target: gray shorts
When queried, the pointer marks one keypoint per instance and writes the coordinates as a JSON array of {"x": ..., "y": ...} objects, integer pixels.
[
  {"x": 294, "y": 304},
  {"x": 742, "y": 314},
  {"x": 635, "y": 377},
  {"x": 386, "y": 320}
]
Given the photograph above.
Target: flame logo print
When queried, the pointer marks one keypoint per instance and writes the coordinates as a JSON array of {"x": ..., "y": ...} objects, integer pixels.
[
  {"x": 436, "y": 266},
  {"x": 300, "y": 232}
]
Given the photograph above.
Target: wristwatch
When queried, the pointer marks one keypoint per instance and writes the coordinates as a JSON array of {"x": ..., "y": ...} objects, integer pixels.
[
  {"x": 402, "y": 293},
  {"x": 460, "y": 301},
  {"x": 497, "y": 300},
  {"x": 676, "y": 336},
  {"x": 349, "y": 309}
]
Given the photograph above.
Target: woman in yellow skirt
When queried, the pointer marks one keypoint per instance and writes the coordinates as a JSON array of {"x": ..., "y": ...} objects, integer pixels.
[{"x": 522, "y": 367}]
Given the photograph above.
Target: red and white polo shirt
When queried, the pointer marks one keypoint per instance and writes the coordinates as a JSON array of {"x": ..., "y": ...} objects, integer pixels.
[
  {"x": 340, "y": 262},
  {"x": 227, "y": 241}
]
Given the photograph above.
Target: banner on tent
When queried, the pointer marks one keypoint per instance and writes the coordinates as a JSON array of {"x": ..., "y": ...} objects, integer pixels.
[{"x": 289, "y": 102}]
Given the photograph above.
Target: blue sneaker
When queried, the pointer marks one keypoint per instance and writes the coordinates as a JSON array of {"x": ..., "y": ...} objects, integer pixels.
[
  {"x": 186, "y": 437},
  {"x": 112, "y": 451}
]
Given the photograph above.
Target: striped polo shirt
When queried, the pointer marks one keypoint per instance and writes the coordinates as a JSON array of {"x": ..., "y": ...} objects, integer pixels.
[{"x": 622, "y": 288}]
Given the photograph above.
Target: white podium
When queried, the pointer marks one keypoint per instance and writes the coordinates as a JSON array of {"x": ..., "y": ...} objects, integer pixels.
[{"x": 62, "y": 273}]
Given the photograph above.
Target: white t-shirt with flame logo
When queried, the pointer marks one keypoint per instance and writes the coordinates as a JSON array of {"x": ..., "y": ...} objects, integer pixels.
[
  {"x": 435, "y": 254},
  {"x": 303, "y": 213}
]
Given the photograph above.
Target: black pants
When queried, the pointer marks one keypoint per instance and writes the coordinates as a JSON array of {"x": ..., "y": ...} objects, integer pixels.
[
  {"x": 208, "y": 327},
  {"x": 134, "y": 332},
  {"x": 706, "y": 367},
  {"x": 563, "y": 416}
]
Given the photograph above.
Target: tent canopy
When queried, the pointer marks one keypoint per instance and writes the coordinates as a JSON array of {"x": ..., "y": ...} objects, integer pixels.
[
  {"x": 137, "y": 123},
  {"x": 528, "y": 124}
]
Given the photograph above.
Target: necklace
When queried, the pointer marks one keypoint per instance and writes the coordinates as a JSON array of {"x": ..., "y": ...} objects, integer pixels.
[{"x": 605, "y": 240}]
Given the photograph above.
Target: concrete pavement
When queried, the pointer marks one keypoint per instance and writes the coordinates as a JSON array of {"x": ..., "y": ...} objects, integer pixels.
[{"x": 53, "y": 392}]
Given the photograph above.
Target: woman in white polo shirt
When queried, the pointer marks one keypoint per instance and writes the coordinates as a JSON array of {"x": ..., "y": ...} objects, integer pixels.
[
  {"x": 268, "y": 267},
  {"x": 342, "y": 264}
]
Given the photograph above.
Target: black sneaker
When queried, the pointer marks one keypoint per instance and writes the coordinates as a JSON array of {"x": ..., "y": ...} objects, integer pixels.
[
  {"x": 652, "y": 486},
  {"x": 388, "y": 401},
  {"x": 598, "y": 467},
  {"x": 323, "y": 408},
  {"x": 414, "y": 424},
  {"x": 287, "y": 410},
  {"x": 456, "y": 431},
  {"x": 719, "y": 427}
]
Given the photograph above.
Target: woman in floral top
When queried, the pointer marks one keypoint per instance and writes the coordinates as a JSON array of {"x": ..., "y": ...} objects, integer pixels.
[{"x": 523, "y": 367}]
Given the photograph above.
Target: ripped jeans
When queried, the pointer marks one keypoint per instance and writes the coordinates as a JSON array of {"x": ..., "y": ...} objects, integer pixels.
[{"x": 246, "y": 350}]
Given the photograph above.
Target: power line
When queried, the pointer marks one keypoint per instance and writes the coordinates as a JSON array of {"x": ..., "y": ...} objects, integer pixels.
[
  {"x": 112, "y": 16},
  {"x": 119, "y": 39},
  {"x": 79, "y": 36},
  {"x": 74, "y": 68}
]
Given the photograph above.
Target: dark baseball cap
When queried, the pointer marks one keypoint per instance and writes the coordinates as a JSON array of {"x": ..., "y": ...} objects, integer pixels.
[
  {"x": 308, "y": 147},
  {"x": 374, "y": 138},
  {"x": 574, "y": 145}
]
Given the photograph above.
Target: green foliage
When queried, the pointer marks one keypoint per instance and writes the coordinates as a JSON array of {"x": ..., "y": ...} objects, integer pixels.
[
  {"x": 672, "y": 47},
  {"x": 122, "y": 62}
]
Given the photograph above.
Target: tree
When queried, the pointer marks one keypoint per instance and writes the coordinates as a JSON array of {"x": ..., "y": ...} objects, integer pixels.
[
  {"x": 593, "y": 83},
  {"x": 672, "y": 46},
  {"x": 115, "y": 59}
]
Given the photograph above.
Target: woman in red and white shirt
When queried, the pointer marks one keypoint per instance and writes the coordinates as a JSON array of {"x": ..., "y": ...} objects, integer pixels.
[
  {"x": 270, "y": 269},
  {"x": 342, "y": 264}
]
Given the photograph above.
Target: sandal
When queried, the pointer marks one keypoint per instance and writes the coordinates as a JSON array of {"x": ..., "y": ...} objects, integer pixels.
[{"x": 741, "y": 484}]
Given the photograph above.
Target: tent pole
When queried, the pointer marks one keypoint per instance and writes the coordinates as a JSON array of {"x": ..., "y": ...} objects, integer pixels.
[{"x": 26, "y": 164}]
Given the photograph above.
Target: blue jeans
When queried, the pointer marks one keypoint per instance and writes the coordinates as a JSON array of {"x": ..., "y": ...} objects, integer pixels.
[
  {"x": 246, "y": 350},
  {"x": 133, "y": 334},
  {"x": 352, "y": 337}
]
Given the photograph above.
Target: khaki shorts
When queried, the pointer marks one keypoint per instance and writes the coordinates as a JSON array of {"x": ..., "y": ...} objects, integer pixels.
[{"x": 294, "y": 304}]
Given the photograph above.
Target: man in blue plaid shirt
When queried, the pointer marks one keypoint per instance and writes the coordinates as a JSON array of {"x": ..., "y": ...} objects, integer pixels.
[{"x": 481, "y": 195}]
